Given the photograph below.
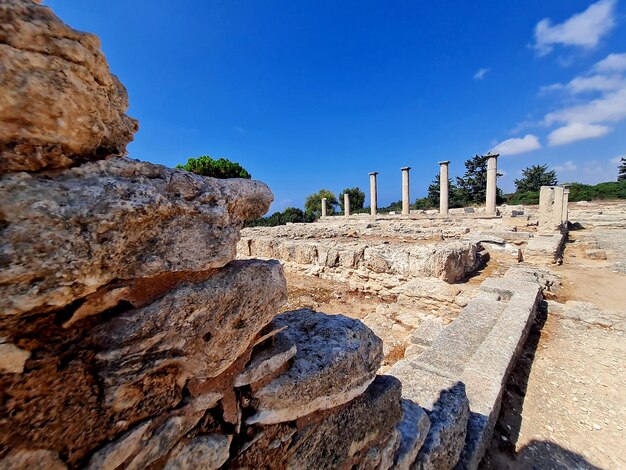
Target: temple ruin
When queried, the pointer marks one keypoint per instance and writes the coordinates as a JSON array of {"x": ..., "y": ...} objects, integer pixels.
[{"x": 142, "y": 326}]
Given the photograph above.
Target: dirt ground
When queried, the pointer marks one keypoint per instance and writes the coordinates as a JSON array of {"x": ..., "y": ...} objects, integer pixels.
[{"x": 565, "y": 406}]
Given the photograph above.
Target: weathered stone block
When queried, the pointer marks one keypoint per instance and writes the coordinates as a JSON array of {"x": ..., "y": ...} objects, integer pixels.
[
  {"x": 199, "y": 329},
  {"x": 447, "y": 406},
  {"x": 59, "y": 103},
  {"x": 337, "y": 358},
  {"x": 67, "y": 235},
  {"x": 413, "y": 431},
  {"x": 110, "y": 371},
  {"x": 354, "y": 435}
]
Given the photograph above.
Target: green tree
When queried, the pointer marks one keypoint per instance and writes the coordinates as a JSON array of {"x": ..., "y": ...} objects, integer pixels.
[
  {"x": 356, "y": 196},
  {"x": 455, "y": 196},
  {"x": 622, "y": 170},
  {"x": 313, "y": 203},
  {"x": 473, "y": 185},
  {"x": 221, "y": 168},
  {"x": 433, "y": 190},
  {"x": 534, "y": 177},
  {"x": 293, "y": 214}
]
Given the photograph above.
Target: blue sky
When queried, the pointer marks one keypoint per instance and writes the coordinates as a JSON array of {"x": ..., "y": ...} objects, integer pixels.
[{"x": 316, "y": 94}]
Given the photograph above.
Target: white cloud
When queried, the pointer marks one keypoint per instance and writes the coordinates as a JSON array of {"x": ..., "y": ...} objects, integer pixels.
[
  {"x": 588, "y": 119},
  {"x": 516, "y": 145},
  {"x": 609, "y": 107},
  {"x": 568, "y": 166},
  {"x": 588, "y": 83},
  {"x": 576, "y": 131},
  {"x": 582, "y": 29},
  {"x": 612, "y": 63},
  {"x": 480, "y": 74}
]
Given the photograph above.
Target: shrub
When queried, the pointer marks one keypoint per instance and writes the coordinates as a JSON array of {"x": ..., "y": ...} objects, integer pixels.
[{"x": 221, "y": 168}]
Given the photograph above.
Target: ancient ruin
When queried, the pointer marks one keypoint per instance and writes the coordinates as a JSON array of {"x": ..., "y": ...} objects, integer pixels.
[{"x": 143, "y": 327}]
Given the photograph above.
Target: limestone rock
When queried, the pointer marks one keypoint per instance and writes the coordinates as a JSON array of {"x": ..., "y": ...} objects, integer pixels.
[
  {"x": 413, "y": 430},
  {"x": 448, "y": 261},
  {"x": 163, "y": 440},
  {"x": 12, "y": 358},
  {"x": 200, "y": 329},
  {"x": 337, "y": 359},
  {"x": 65, "y": 236},
  {"x": 588, "y": 313},
  {"x": 448, "y": 428},
  {"x": 206, "y": 452},
  {"x": 114, "y": 455},
  {"x": 361, "y": 432},
  {"x": 446, "y": 403},
  {"x": 597, "y": 254},
  {"x": 426, "y": 332},
  {"x": 59, "y": 103},
  {"x": 267, "y": 360},
  {"x": 38, "y": 459}
]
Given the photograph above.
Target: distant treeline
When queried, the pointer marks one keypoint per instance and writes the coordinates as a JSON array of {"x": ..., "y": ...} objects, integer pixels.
[
  {"x": 466, "y": 190},
  {"x": 577, "y": 192}
]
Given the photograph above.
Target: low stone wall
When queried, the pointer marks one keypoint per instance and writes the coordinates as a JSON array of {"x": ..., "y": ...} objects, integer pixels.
[
  {"x": 459, "y": 373},
  {"x": 450, "y": 261}
]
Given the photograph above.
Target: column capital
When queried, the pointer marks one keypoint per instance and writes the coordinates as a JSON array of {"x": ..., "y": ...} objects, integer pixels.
[
  {"x": 445, "y": 162},
  {"x": 492, "y": 155},
  {"x": 405, "y": 168},
  {"x": 373, "y": 173}
]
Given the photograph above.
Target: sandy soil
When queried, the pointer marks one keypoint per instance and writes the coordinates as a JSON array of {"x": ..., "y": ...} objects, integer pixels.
[
  {"x": 565, "y": 406},
  {"x": 328, "y": 296}
]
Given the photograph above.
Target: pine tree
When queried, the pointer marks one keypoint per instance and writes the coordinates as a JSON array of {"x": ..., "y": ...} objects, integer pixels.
[{"x": 621, "y": 176}]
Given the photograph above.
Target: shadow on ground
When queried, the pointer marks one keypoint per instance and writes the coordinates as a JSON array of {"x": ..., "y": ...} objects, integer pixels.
[{"x": 537, "y": 454}]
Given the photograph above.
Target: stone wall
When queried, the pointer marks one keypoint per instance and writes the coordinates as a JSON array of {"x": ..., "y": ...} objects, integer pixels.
[
  {"x": 355, "y": 249},
  {"x": 130, "y": 337}
]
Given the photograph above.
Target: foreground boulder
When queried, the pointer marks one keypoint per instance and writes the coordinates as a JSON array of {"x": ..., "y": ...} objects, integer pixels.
[
  {"x": 336, "y": 360},
  {"x": 66, "y": 236},
  {"x": 354, "y": 435},
  {"x": 59, "y": 103}
]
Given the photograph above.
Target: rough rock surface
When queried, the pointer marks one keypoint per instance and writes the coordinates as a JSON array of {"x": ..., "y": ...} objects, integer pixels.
[
  {"x": 59, "y": 103},
  {"x": 450, "y": 261},
  {"x": 337, "y": 358},
  {"x": 354, "y": 435},
  {"x": 589, "y": 313},
  {"x": 66, "y": 236},
  {"x": 413, "y": 431},
  {"x": 267, "y": 359},
  {"x": 134, "y": 364},
  {"x": 441, "y": 448},
  {"x": 447, "y": 405},
  {"x": 198, "y": 329},
  {"x": 39, "y": 459},
  {"x": 207, "y": 452}
]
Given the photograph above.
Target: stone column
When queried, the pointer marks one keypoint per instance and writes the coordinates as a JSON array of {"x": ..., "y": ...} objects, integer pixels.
[
  {"x": 373, "y": 196},
  {"x": 346, "y": 204},
  {"x": 565, "y": 213},
  {"x": 492, "y": 183},
  {"x": 323, "y": 207},
  {"x": 443, "y": 187},
  {"x": 406, "y": 194}
]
